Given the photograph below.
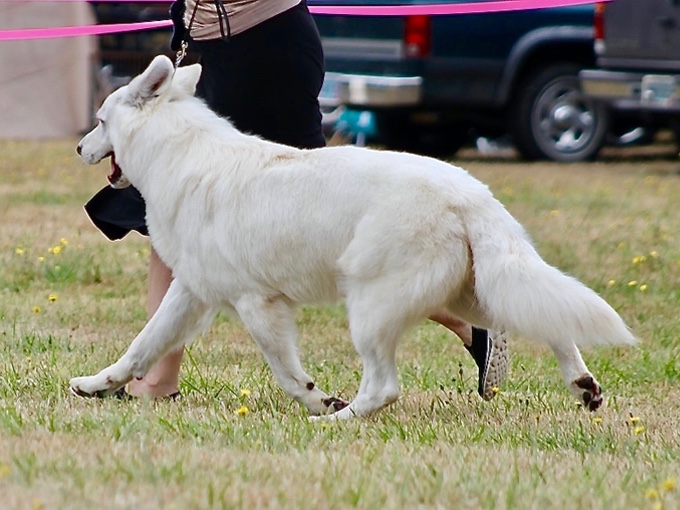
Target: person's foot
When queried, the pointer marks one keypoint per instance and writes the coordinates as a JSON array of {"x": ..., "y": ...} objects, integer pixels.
[
  {"x": 489, "y": 349},
  {"x": 150, "y": 387},
  {"x": 163, "y": 379}
]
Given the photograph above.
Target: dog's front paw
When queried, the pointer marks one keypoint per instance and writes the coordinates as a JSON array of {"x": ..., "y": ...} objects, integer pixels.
[
  {"x": 333, "y": 405},
  {"x": 589, "y": 391},
  {"x": 92, "y": 386},
  {"x": 330, "y": 406}
]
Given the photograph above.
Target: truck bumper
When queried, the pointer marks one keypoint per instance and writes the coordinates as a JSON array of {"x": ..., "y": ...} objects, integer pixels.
[
  {"x": 633, "y": 91},
  {"x": 368, "y": 91}
]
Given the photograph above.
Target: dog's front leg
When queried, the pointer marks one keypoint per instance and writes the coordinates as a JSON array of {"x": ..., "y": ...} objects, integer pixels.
[{"x": 178, "y": 319}]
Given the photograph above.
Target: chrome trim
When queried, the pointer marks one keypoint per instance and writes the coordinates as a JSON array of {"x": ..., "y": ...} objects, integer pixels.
[
  {"x": 369, "y": 90},
  {"x": 623, "y": 90},
  {"x": 606, "y": 88},
  {"x": 364, "y": 90},
  {"x": 362, "y": 49}
]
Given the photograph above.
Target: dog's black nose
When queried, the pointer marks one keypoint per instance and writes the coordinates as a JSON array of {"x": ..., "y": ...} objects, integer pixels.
[{"x": 79, "y": 149}]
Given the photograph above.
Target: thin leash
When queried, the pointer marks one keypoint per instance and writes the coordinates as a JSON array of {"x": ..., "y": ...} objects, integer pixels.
[
  {"x": 223, "y": 19},
  {"x": 181, "y": 53}
]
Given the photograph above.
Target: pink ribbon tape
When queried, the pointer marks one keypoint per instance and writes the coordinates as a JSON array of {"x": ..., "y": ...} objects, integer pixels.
[
  {"x": 344, "y": 10},
  {"x": 51, "y": 33},
  {"x": 444, "y": 9}
]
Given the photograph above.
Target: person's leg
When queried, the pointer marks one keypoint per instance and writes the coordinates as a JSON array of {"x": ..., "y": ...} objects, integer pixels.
[
  {"x": 163, "y": 379},
  {"x": 489, "y": 349},
  {"x": 459, "y": 327},
  {"x": 115, "y": 213},
  {"x": 229, "y": 85}
]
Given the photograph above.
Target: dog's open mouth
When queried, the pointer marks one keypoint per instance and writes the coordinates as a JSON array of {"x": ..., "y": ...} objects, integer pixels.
[{"x": 116, "y": 178}]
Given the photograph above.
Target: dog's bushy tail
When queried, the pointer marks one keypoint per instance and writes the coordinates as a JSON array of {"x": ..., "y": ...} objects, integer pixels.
[{"x": 525, "y": 295}]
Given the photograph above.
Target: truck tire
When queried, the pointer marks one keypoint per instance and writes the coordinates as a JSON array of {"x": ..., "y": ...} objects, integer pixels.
[{"x": 550, "y": 118}]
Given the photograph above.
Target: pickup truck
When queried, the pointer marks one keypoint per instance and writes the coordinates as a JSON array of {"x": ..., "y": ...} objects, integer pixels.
[
  {"x": 637, "y": 73},
  {"x": 430, "y": 82}
]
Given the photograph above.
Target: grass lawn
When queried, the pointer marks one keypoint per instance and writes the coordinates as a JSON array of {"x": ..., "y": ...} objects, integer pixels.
[{"x": 70, "y": 303}]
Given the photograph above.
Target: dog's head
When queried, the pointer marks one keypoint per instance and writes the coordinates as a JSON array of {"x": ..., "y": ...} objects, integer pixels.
[{"x": 159, "y": 83}]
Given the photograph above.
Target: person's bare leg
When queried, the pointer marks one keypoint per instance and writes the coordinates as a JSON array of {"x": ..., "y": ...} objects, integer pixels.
[
  {"x": 459, "y": 327},
  {"x": 489, "y": 349},
  {"x": 163, "y": 378}
]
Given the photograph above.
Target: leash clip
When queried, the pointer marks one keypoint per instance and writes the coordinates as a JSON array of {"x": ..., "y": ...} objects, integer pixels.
[{"x": 181, "y": 53}]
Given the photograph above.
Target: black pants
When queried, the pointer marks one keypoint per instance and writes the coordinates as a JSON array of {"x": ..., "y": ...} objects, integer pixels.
[{"x": 266, "y": 80}]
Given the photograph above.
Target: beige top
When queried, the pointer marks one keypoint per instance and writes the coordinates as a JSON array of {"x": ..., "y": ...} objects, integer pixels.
[{"x": 243, "y": 14}]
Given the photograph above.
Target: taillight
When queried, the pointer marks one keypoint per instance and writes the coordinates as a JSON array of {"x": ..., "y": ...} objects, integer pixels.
[
  {"x": 417, "y": 36},
  {"x": 598, "y": 29},
  {"x": 599, "y": 21}
]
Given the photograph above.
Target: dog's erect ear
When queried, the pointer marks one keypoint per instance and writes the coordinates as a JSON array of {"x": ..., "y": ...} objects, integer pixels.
[
  {"x": 186, "y": 78},
  {"x": 155, "y": 80}
]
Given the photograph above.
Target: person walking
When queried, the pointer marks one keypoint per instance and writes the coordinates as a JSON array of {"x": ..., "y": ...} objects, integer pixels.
[{"x": 262, "y": 67}]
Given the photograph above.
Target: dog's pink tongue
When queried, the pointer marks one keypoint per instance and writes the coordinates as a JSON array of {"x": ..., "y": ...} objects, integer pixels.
[{"x": 115, "y": 171}]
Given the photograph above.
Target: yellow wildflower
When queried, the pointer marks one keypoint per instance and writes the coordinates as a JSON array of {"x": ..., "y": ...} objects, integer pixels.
[
  {"x": 554, "y": 212},
  {"x": 632, "y": 283},
  {"x": 639, "y": 430},
  {"x": 639, "y": 259},
  {"x": 597, "y": 420},
  {"x": 63, "y": 241},
  {"x": 652, "y": 494},
  {"x": 654, "y": 254},
  {"x": 56, "y": 250},
  {"x": 19, "y": 251},
  {"x": 242, "y": 411},
  {"x": 37, "y": 309},
  {"x": 495, "y": 389},
  {"x": 611, "y": 283},
  {"x": 52, "y": 298},
  {"x": 245, "y": 393},
  {"x": 633, "y": 419},
  {"x": 668, "y": 484},
  {"x": 41, "y": 259},
  {"x": 643, "y": 287}
]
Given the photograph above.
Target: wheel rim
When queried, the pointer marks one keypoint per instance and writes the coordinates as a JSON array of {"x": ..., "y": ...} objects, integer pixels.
[{"x": 563, "y": 121}]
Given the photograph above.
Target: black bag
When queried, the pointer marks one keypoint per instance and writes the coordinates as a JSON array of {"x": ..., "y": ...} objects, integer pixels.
[{"x": 177, "y": 10}]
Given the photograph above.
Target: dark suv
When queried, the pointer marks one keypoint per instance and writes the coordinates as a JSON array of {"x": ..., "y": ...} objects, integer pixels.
[{"x": 430, "y": 82}]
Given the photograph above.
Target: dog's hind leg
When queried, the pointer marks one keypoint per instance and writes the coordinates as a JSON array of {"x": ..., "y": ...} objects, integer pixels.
[
  {"x": 178, "y": 319},
  {"x": 376, "y": 326},
  {"x": 576, "y": 375},
  {"x": 271, "y": 323}
]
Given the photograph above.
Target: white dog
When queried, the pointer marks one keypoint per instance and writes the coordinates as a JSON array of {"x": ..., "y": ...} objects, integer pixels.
[{"x": 257, "y": 228}]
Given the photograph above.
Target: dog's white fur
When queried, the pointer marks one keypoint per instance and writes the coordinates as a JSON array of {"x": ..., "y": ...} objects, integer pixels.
[{"x": 258, "y": 228}]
